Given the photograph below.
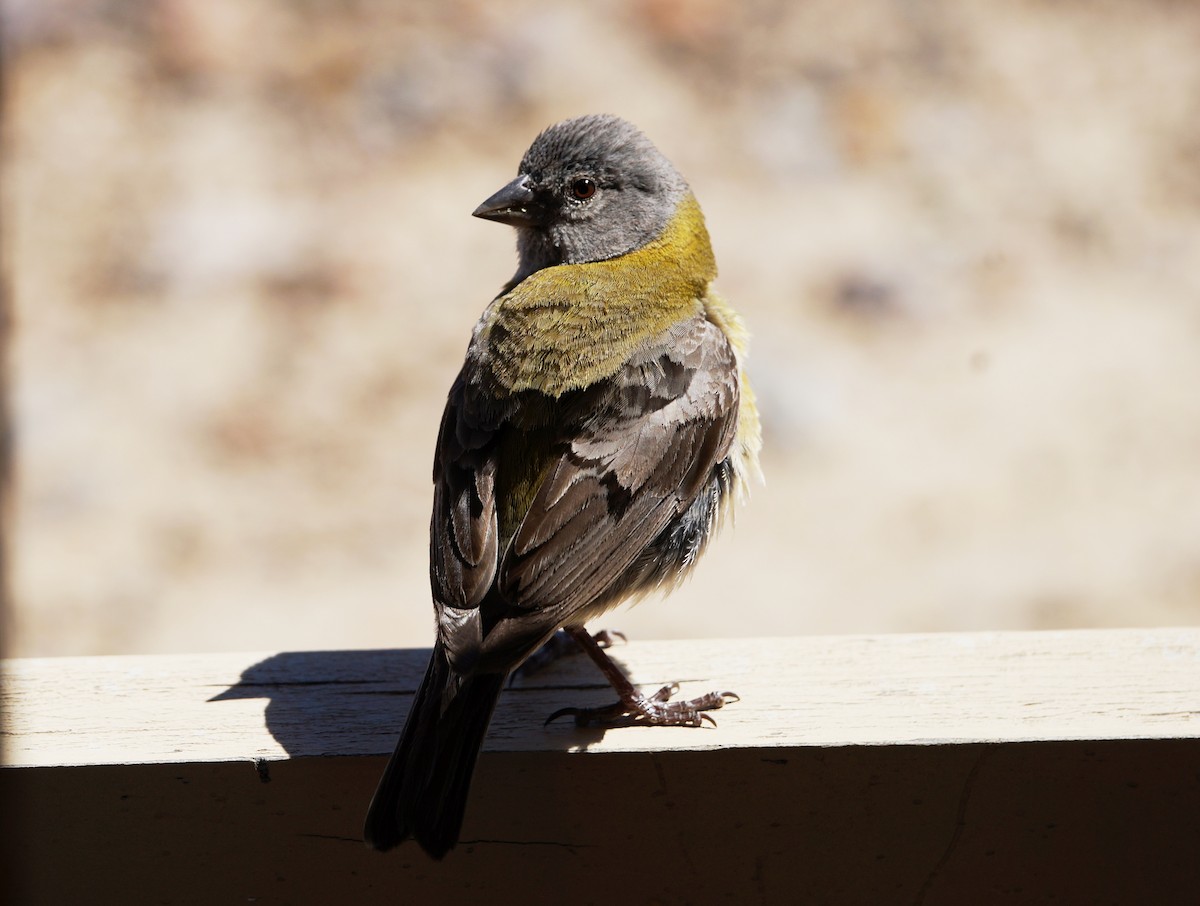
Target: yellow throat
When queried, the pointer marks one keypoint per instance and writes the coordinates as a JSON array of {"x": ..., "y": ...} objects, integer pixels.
[{"x": 565, "y": 327}]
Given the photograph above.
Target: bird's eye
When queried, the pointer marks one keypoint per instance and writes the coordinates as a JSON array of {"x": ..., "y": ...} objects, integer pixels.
[{"x": 583, "y": 188}]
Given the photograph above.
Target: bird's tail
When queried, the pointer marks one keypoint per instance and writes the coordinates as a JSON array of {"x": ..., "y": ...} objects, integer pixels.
[{"x": 423, "y": 791}]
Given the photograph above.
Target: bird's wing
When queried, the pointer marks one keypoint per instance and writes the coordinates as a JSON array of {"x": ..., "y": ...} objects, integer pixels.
[
  {"x": 644, "y": 444},
  {"x": 463, "y": 534}
]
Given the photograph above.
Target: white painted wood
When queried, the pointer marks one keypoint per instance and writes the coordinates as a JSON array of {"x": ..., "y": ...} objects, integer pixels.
[
  {"x": 1047, "y": 767},
  {"x": 828, "y": 691}
]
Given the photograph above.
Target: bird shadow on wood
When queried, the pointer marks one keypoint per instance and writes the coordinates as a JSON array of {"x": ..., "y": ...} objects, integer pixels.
[{"x": 322, "y": 703}]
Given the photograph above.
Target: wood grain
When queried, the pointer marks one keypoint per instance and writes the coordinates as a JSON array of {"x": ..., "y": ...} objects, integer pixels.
[
  {"x": 1052, "y": 767},
  {"x": 821, "y": 691}
]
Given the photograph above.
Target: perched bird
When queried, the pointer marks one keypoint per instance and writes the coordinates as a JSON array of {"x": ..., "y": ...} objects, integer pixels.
[{"x": 596, "y": 435}]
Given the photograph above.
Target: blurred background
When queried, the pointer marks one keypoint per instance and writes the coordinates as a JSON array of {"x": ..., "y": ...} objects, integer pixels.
[{"x": 965, "y": 235}]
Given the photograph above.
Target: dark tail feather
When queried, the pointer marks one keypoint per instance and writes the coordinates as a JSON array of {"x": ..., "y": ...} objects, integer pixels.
[{"x": 423, "y": 791}]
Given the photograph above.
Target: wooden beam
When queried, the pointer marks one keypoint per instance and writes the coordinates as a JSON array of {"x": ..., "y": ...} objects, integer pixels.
[{"x": 1005, "y": 767}]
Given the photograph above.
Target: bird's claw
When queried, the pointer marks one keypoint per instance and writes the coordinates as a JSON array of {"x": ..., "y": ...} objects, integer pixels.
[
  {"x": 607, "y": 638},
  {"x": 561, "y": 645},
  {"x": 655, "y": 710}
]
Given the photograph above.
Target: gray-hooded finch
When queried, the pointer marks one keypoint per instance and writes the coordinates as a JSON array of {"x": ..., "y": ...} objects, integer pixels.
[{"x": 597, "y": 433}]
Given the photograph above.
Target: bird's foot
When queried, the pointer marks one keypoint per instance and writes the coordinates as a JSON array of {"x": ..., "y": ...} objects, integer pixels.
[
  {"x": 561, "y": 645},
  {"x": 656, "y": 710},
  {"x": 632, "y": 707}
]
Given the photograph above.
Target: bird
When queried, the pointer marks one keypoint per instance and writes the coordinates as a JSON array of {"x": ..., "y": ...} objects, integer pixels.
[{"x": 601, "y": 428}]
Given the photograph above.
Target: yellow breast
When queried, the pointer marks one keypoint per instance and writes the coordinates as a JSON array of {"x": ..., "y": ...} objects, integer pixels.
[{"x": 566, "y": 327}]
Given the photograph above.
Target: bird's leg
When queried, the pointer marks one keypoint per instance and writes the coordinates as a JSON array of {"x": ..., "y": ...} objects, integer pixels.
[
  {"x": 562, "y": 645},
  {"x": 632, "y": 706}
]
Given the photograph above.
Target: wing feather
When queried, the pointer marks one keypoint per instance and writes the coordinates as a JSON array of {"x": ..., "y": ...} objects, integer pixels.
[
  {"x": 652, "y": 436},
  {"x": 624, "y": 459}
]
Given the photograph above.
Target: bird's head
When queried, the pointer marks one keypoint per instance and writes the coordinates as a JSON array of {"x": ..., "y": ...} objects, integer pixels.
[{"x": 588, "y": 189}]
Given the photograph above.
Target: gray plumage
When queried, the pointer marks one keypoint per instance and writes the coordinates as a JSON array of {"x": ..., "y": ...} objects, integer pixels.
[
  {"x": 551, "y": 507},
  {"x": 637, "y": 192}
]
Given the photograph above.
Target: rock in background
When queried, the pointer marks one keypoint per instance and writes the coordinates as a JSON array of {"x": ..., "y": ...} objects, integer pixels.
[{"x": 965, "y": 235}]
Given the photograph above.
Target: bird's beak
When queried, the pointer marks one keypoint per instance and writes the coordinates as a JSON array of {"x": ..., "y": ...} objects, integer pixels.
[{"x": 512, "y": 205}]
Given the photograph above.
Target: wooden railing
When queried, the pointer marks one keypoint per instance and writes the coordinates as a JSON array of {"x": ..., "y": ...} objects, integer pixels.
[{"x": 982, "y": 768}]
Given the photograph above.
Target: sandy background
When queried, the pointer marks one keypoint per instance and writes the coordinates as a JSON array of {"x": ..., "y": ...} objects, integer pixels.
[{"x": 966, "y": 236}]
